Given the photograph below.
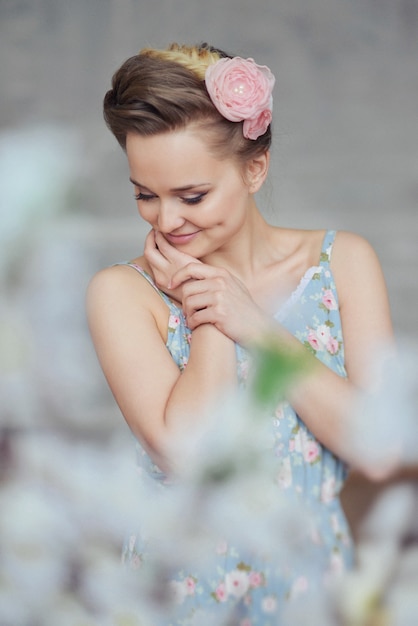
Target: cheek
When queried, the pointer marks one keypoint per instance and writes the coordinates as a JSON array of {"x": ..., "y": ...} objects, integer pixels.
[
  {"x": 228, "y": 206},
  {"x": 146, "y": 212}
]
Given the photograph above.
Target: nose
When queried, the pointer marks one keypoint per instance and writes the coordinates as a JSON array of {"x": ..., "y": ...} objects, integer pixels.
[{"x": 169, "y": 217}]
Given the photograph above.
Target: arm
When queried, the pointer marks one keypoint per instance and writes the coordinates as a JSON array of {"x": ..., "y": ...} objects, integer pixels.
[
  {"x": 127, "y": 320},
  {"x": 324, "y": 400},
  {"x": 321, "y": 398}
]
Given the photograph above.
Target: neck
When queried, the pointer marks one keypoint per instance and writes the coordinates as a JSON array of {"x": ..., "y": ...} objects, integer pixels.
[{"x": 246, "y": 252}]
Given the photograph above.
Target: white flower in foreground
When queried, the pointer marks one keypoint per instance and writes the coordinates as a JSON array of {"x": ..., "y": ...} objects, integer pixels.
[
  {"x": 383, "y": 425},
  {"x": 377, "y": 582}
]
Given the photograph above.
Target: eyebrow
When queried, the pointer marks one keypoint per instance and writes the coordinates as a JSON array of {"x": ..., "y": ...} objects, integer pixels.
[{"x": 175, "y": 189}]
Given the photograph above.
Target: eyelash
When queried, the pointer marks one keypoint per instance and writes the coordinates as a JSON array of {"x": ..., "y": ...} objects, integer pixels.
[
  {"x": 193, "y": 200},
  {"x": 142, "y": 196}
]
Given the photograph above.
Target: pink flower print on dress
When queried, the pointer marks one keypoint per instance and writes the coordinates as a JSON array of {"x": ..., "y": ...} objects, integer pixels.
[
  {"x": 328, "y": 300},
  {"x": 221, "y": 593},
  {"x": 313, "y": 340},
  {"x": 332, "y": 345},
  {"x": 269, "y": 604},
  {"x": 237, "y": 583},
  {"x": 173, "y": 322},
  {"x": 190, "y": 585},
  {"x": 311, "y": 451},
  {"x": 256, "y": 579}
]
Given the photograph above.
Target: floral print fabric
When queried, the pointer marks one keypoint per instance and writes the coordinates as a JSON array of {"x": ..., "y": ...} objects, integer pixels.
[{"x": 251, "y": 590}]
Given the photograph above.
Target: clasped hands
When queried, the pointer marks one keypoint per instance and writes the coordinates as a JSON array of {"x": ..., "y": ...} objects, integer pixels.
[{"x": 208, "y": 294}]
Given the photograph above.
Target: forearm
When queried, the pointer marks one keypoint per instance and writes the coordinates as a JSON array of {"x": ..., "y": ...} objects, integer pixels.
[
  {"x": 210, "y": 371},
  {"x": 320, "y": 397}
]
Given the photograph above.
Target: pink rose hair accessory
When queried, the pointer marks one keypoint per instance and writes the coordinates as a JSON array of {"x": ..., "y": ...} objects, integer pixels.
[{"x": 241, "y": 90}]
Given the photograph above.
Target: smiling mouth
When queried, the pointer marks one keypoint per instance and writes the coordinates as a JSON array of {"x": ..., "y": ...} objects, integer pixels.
[{"x": 181, "y": 239}]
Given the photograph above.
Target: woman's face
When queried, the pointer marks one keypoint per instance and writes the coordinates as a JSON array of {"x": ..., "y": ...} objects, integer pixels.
[{"x": 198, "y": 202}]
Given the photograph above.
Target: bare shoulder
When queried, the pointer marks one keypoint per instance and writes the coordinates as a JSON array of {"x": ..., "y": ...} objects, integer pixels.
[
  {"x": 359, "y": 276},
  {"x": 118, "y": 294},
  {"x": 353, "y": 254},
  {"x": 109, "y": 279},
  {"x": 347, "y": 242},
  {"x": 115, "y": 282}
]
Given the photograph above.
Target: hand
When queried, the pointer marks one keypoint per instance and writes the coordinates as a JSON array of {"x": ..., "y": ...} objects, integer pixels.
[
  {"x": 212, "y": 295},
  {"x": 165, "y": 261}
]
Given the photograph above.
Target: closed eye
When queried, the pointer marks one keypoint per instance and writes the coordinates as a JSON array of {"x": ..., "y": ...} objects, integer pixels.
[
  {"x": 190, "y": 200},
  {"x": 194, "y": 199},
  {"x": 143, "y": 196}
]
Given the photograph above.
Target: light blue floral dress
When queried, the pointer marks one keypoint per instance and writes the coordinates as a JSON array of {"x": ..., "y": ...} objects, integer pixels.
[{"x": 247, "y": 590}]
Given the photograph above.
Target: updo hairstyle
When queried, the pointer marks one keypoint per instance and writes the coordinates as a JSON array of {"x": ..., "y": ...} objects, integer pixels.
[{"x": 159, "y": 91}]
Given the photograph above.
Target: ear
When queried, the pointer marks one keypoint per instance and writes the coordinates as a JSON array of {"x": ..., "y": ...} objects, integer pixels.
[{"x": 256, "y": 171}]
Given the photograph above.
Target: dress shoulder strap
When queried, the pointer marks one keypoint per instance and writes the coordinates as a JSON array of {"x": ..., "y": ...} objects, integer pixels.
[
  {"x": 327, "y": 245},
  {"x": 147, "y": 277}
]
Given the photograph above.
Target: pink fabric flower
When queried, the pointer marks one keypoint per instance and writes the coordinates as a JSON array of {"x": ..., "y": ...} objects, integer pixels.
[{"x": 241, "y": 90}]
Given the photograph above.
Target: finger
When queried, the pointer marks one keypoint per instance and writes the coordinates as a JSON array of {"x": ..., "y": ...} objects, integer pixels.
[
  {"x": 193, "y": 271},
  {"x": 150, "y": 240},
  {"x": 196, "y": 302},
  {"x": 201, "y": 316},
  {"x": 153, "y": 254},
  {"x": 166, "y": 248},
  {"x": 170, "y": 252}
]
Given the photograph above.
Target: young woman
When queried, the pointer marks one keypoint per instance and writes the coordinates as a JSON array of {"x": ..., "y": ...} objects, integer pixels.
[{"x": 174, "y": 328}]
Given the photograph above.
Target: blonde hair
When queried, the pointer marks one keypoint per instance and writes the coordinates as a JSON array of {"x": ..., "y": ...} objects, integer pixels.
[
  {"x": 159, "y": 91},
  {"x": 195, "y": 58}
]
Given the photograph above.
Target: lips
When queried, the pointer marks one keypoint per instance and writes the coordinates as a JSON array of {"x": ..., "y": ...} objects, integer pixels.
[{"x": 181, "y": 239}]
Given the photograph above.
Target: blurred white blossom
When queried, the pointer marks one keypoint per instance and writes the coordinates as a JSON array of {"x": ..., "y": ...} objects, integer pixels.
[
  {"x": 379, "y": 590},
  {"x": 383, "y": 427},
  {"x": 65, "y": 508}
]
